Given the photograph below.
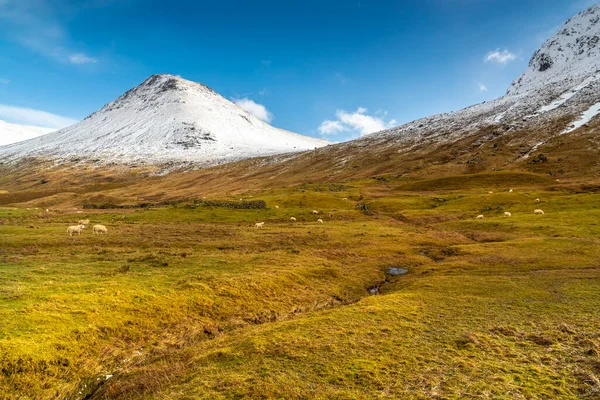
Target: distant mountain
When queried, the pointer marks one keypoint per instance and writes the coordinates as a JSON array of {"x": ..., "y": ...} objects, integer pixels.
[
  {"x": 13, "y": 133},
  {"x": 165, "y": 119}
]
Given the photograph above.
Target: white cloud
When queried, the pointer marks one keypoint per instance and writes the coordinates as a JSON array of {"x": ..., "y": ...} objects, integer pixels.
[
  {"x": 266, "y": 63},
  {"x": 358, "y": 121},
  {"x": 28, "y": 116},
  {"x": 4, "y": 81},
  {"x": 81, "y": 58},
  {"x": 502, "y": 57},
  {"x": 329, "y": 127},
  {"x": 482, "y": 87},
  {"x": 264, "y": 92},
  {"x": 258, "y": 110}
]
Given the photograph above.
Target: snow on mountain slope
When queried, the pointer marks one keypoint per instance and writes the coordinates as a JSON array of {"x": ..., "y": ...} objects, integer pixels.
[
  {"x": 563, "y": 79},
  {"x": 166, "y": 119},
  {"x": 13, "y": 133}
]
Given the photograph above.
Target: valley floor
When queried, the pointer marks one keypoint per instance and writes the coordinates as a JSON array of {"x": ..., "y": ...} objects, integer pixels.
[{"x": 190, "y": 301}]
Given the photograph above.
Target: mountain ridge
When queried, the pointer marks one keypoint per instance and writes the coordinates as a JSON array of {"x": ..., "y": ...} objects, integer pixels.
[{"x": 557, "y": 94}]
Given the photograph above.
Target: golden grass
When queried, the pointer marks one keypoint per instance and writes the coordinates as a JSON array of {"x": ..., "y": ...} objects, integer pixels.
[{"x": 182, "y": 302}]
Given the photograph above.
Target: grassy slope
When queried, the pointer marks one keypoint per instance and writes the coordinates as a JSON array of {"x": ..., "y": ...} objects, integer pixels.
[{"x": 195, "y": 303}]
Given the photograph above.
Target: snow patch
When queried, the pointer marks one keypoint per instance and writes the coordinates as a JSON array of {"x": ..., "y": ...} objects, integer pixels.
[
  {"x": 586, "y": 117},
  {"x": 568, "y": 94}
]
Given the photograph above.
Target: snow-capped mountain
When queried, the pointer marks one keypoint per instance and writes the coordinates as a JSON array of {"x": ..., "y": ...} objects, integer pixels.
[
  {"x": 13, "y": 133},
  {"x": 165, "y": 119},
  {"x": 562, "y": 80}
]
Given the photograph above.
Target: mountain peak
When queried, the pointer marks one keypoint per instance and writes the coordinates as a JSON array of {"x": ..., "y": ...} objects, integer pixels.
[
  {"x": 168, "y": 82},
  {"x": 167, "y": 119},
  {"x": 573, "y": 53}
]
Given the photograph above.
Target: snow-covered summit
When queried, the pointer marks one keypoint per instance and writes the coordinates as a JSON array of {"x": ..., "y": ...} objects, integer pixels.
[
  {"x": 573, "y": 53},
  {"x": 165, "y": 119}
]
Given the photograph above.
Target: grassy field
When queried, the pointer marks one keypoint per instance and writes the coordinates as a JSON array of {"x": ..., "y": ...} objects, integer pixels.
[{"x": 186, "y": 302}]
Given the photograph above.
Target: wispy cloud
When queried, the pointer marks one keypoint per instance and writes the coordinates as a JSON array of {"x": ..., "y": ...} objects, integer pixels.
[
  {"x": 4, "y": 81},
  {"x": 28, "y": 116},
  {"x": 35, "y": 24},
  {"x": 482, "y": 87},
  {"x": 266, "y": 63},
  {"x": 258, "y": 110},
  {"x": 264, "y": 92},
  {"x": 358, "y": 122},
  {"x": 81, "y": 58},
  {"x": 502, "y": 57}
]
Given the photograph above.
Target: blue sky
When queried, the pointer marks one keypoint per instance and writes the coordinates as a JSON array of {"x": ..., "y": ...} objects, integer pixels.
[{"x": 337, "y": 69}]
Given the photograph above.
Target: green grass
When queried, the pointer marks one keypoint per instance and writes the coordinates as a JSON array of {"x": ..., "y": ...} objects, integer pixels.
[{"x": 182, "y": 303}]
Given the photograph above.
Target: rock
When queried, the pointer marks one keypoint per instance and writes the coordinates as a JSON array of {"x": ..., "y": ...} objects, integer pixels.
[{"x": 395, "y": 271}]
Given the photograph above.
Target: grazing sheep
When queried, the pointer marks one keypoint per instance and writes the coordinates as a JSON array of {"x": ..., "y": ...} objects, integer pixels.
[
  {"x": 538, "y": 212},
  {"x": 293, "y": 219},
  {"x": 75, "y": 229},
  {"x": 83, "y": 222},
  {"x": 345, "y": 199},
  {"x": 100, "y": 229},
  {"x": 510, "y": 191},
  {"x": 490, "y": 192},
  {"x": 507, "y": 214},
  {"x": 277, "y": 207},
  {"x": 315, "y": 212},
  {"x": 259, "y": 225},
  {"x": 47, "y": 210},
  {"x": 480, "y": 216},
  {"x": 537, "y": 200},
  {"x": 319, "y": 221}
]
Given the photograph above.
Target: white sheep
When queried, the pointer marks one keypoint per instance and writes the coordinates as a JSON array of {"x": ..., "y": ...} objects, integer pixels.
[
  {"x": 83, "y": 222},
  {"x": 100, "y": 229},
  {"x": 507, "y": 214},
  {"x": 319, "y": 221},
  {"x": 345, "y": 199},
  {"x": 259, "y": 225},
  {"x": 480, "y": 216},
  {"x": 490, "y": 192},
  {"x": 315, "y": 212},
  {"x": 537, "y": 200},
  {"x": 510, "y": 191},
  {"x": 75, "y": 229},
  {"x": 277, "y": 207},
  {"x": 538, "y": 212},
  {"x": 293, "y": 219}
]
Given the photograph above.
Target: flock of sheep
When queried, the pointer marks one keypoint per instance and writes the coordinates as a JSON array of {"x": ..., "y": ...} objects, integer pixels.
[
  {"x": 81, "y": 224},
  {"x": 508, "y": 214},
  {"x": 101, "y": 229},
  {"x": 260, "y": 225}
]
